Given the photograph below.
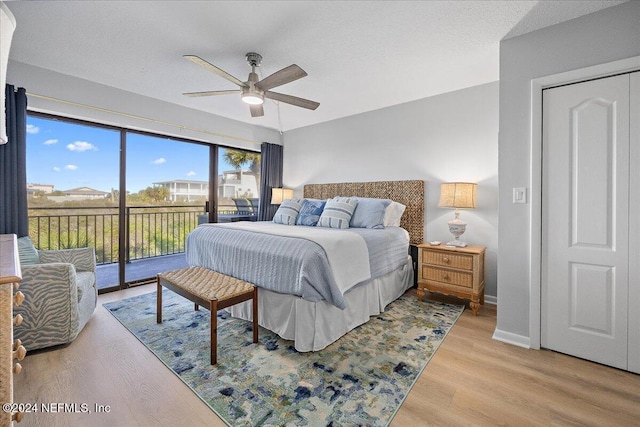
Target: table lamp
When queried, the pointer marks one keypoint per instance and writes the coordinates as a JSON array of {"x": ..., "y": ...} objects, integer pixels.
[
  {"x": 278, "y": 195},
  {"x": 458, "y": 195}
]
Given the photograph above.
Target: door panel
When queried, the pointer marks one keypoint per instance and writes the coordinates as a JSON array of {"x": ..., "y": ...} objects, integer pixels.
[
  {"x": 591, "y": 298},
  {"x": 586, "y": 220},
  {"x": 592, "y": 168}
]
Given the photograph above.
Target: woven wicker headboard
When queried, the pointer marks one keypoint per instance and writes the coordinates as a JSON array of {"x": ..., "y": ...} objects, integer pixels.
[{"x": 409, "y": 193}]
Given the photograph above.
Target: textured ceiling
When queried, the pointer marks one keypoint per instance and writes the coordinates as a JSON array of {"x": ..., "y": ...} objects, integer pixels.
[{"x": 360, "y": 55}]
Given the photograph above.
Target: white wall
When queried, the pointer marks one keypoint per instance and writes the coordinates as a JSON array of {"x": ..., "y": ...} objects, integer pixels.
[
  {"x": 197, "y": 125},
  {"x": 449, "y": 137},
  {"x": 609, "y": 35}
]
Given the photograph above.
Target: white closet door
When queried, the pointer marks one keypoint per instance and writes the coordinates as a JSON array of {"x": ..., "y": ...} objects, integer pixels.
[
  {"x": 585, "y": 230},
  {"x": 634, "y": 227}
]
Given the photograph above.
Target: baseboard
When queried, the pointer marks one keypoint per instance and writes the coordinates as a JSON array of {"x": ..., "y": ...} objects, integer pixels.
[
  {"x": 490, "y": 299},
  {"x": 511, "y": 338}
]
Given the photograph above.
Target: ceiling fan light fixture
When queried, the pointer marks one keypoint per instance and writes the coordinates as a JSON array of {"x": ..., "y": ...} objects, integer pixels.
[{"x": 252, "y": 98}]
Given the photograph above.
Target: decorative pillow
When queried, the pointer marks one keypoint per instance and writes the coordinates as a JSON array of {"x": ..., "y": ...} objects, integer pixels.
[
  {"x": 369, "y": 213},
  {"x": 337, "y": 213},
  {"x": 27, "y": 252},
  {"x": 288, "y": 212},
  {"x": 393, "y": 214},
  {"x": 310, "y": 212}
]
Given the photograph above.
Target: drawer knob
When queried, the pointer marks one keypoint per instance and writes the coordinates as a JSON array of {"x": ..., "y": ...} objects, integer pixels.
[
  {"x": 17, "y": 417},
  {"x": 20, "y": 353},
  {"x": 18, "y": 320},
  {"x": 18, "y": 298},
  {"x": 446, "y": 277},
  {"x": 446, "y": 260},
  {"x": 17, "y": 368}
]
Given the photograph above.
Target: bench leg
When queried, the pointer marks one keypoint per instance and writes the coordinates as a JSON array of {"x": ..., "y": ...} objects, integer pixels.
[
  {"x": 196, "y": 307},
  {"x": 159, "y": 302},
  {"x": 255, "y": 314},
  {"x": 214, "y": 331}
]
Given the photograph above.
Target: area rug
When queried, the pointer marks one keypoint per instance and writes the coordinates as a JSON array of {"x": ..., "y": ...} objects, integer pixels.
[{"x": 361, "y": 379}]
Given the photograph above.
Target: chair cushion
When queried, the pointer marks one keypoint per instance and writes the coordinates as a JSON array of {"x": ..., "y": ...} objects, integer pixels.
[
  {"x": 27, "y": 252},
  {"x": 85, "y": 280}
]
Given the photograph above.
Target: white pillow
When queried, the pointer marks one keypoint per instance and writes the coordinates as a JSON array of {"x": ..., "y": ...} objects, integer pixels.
[{"x": 393, "y": 214}]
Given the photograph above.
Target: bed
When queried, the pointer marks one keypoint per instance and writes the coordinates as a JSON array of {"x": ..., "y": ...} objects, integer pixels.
[{"x": 301, "y": 299}]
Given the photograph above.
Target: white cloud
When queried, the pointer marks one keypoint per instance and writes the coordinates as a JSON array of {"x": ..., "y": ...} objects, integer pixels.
[
  {"x": 71, "y": 167},
  {"x": 50, "y": 142},
  {"x": 191, "y": 173},
  {"x": 82, "y": 146},
  {"x": 159, "y": 161},
  {"x": 56, "y": 169},
  {"x": 32, "y": 129}
]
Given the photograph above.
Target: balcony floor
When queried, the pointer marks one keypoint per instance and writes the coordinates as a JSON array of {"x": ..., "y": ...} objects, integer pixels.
[{"x": 141, "y": 269}]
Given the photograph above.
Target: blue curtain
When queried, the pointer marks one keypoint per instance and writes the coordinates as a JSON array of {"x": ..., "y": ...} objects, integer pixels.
[
  {"x": 13, "y": 166},
  {"x": 270, "y": 177}
]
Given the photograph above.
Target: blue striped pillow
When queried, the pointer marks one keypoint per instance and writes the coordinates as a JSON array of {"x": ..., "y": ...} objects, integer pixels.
[
  {"x": 288, "y": 212},
  {"x": 337, "y": 213}
]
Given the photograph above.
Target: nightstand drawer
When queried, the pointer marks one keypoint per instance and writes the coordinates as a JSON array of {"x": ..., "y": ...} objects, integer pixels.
[
  {"x": 442, "y": 275},
  {"x": 445, "y": 259}
]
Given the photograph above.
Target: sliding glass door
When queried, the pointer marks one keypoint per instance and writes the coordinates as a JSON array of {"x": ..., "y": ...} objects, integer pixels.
[
  {"x": 72, "y": 187},
  {"x": 167, "y": 184},
  {"x": 238, "y": 185},
  {"x": 132, "y": 196}
]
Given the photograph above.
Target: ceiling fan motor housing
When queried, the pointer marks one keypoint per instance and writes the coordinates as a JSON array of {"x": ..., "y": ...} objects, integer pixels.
[{"x": 250, "y": 93}]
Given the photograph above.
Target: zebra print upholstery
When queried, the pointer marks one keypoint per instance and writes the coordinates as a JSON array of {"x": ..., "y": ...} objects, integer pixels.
[{"x": 60, "y": 297}]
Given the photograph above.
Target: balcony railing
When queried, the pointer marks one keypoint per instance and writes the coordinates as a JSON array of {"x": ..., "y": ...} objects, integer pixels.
[{"x": 151, "y": 231}]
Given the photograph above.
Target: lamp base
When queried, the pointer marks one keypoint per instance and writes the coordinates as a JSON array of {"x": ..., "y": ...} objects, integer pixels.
[
  {"x": 457, "y": 227},
  {"x": 456, "y": 243}
]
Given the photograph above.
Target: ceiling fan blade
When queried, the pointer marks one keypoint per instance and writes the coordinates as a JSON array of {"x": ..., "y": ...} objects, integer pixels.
[
  {"x": 197, "y": 60},
  {"x": 256, "y": 110},
  {"x": 293, "y": 100},
  {"x": 212, "y": 93},
  {"x": 284, "y": 76}
]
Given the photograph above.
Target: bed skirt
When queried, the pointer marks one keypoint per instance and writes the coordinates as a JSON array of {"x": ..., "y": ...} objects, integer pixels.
[{"x": 314, "y": 325}]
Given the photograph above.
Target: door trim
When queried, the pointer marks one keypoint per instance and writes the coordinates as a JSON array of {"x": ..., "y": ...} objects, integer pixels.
[{"x": 535, "y": 178}]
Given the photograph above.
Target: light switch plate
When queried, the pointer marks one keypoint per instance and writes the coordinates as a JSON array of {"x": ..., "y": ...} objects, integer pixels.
[{"x": 520, "y": 195}]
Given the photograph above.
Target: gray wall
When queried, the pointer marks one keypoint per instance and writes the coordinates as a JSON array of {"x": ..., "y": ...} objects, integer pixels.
[
  {"x": 449, "y": 137},
  {"x": 47, "y": 83},
  {"x": 609, "y": 35}
]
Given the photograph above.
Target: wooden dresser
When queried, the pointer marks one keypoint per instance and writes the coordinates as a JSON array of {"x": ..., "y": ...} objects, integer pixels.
[
  {"x": 452, "y": 271},
  {"x": 10, "y": 277}
]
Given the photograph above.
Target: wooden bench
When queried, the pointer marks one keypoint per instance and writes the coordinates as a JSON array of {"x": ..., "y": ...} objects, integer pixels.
[{"x": 212, "y": 290}]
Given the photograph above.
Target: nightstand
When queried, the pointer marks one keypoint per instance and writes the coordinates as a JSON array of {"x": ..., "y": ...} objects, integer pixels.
[{"x": 452, "y": 271}]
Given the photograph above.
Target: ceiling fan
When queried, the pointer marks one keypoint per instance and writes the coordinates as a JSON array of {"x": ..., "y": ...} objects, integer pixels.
[{"x": 253, "y": 91}]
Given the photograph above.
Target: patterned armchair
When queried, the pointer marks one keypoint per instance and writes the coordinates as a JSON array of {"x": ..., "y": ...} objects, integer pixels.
[{"x": 60, "y": 296}]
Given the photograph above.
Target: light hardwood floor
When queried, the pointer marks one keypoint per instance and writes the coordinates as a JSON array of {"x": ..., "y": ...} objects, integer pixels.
[{"x": 471, "y": 380}]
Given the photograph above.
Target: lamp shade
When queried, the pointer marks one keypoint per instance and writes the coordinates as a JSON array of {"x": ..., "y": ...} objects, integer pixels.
[
  {"x": 278, "y": 195},
  {"x": 457, "y": 195}
]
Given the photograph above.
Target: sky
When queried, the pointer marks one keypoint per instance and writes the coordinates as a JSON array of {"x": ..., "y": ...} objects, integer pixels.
[{"x": 70, "y": 155}]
